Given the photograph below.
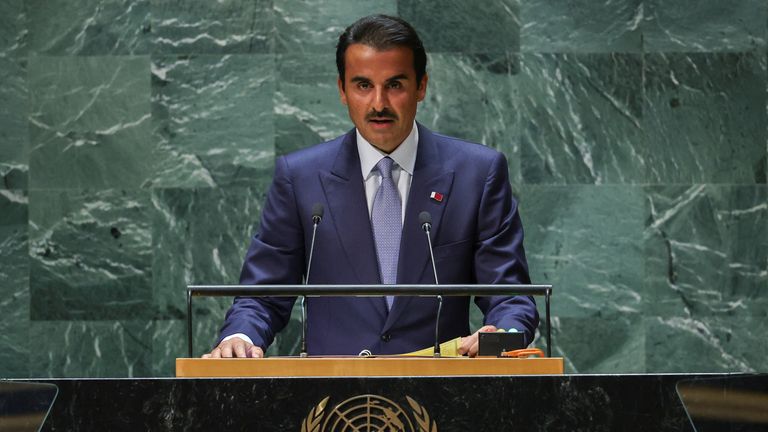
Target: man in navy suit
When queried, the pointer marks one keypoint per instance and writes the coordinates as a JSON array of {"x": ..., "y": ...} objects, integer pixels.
[{"x": 373, "y": 182}]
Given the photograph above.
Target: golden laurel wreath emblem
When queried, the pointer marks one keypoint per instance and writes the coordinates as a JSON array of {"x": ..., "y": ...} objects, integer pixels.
[{"x": 368, "y": 412}]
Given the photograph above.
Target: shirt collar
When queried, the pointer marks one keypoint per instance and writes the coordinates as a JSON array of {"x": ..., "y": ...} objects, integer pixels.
[{"x": 404, "y": 155}]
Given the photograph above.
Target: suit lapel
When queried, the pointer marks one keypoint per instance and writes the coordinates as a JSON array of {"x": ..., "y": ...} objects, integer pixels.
[
  {"x": 428, "y": 176},
  {"x": 345, "y": 193}
]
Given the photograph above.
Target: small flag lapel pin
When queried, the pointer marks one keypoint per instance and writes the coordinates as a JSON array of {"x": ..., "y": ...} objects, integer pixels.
[{"x": 437, "y": 196}]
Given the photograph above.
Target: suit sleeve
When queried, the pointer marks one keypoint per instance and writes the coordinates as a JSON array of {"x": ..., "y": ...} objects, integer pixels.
[
  {"x": 500, "y": 256},
  {"x": 275, "y": 256}
]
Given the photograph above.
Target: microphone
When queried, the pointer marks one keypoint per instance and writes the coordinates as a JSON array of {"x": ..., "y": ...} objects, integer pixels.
[
  {"x": 317, "y": 216},
  {"x": 317, "y": 213},
  {"x": 425, "y": 220}
]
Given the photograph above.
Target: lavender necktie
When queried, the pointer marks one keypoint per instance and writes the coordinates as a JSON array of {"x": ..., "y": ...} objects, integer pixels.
[{"x": 386, "y": 221}]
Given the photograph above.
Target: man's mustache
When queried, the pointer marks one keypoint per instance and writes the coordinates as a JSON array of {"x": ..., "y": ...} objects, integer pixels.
[{"x": 385, "y": 113}]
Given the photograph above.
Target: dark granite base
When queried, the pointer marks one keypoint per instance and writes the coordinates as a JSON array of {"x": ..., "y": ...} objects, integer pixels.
[{"x": 521, "y": 403}]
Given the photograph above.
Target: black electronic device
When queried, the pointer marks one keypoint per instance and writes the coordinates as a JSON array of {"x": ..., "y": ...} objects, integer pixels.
[{"x": 492, "y": 344}]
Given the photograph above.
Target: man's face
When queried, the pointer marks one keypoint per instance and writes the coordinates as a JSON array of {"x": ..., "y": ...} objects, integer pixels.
[{"x": 381, "y": 93}]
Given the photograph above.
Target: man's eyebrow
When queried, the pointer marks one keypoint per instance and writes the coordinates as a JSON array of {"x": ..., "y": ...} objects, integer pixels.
[
  {"x": 394, "y": 78},
  {"x": 398, "y": 77}
]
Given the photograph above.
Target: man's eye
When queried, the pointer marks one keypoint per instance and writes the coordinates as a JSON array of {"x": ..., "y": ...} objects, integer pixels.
[
  {"x": 363, "y": 85},
  {"x": 395, "y": 85}
]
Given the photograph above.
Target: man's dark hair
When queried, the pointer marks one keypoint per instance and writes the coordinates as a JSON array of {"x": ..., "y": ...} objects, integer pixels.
[{"x": 382, "y": 32}]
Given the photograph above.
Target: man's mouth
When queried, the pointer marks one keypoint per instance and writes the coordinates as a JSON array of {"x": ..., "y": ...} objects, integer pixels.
[{"x": 381, "y": 120}]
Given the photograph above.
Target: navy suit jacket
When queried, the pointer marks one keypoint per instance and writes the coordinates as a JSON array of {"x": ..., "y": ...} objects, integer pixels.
[{"x": 477, "y": 237}]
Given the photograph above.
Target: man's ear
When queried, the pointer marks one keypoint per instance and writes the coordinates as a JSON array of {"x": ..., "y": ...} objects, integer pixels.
[
  {"x": 422, "y": 91},
  {"x": 342, "y": 93}
]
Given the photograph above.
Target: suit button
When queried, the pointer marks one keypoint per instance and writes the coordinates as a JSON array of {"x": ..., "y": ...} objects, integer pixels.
[{"x": 386, "y": 337}]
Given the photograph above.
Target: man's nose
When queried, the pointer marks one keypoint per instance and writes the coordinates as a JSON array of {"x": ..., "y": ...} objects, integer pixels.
[{"x": 380, "y": 99}]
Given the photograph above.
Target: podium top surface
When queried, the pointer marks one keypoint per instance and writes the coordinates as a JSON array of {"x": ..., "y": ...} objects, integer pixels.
[{"x": 365, "y": 367}]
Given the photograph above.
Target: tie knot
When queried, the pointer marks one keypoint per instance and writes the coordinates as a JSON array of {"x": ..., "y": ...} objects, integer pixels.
[{"x": 385, "y": 167}]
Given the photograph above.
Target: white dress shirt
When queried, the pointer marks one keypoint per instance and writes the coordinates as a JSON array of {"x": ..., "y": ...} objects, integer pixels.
[{"x": 404, "y": 157}]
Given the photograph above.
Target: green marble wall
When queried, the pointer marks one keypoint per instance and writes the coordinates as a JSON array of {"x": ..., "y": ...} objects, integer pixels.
[{"x": 137, "y": 140}]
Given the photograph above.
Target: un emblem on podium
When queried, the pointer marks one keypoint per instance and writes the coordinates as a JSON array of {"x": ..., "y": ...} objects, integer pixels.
[{"x": 368, "y": 413}]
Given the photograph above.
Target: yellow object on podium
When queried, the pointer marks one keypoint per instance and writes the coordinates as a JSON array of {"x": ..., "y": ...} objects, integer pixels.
[{"x": 447, "y": 349}]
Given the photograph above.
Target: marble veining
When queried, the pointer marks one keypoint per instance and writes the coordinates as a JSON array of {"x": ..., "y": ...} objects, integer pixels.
[
  {"x": 222, "y": 27},
  {"x": 94, "y": 27},
  {"x": 581, "y": 118},
  {"x": 14, "y": 282},
  {"x": 702, "y": 115},
  {"x": 212, "y": 116},
  {"x": 89, "y": 122},
  {"x": 459, "y": 26},
  {"x": 14, "y": 153},
  {"x": 108, "y": 278},
  {"x": 709, "y": 25},
  {"x": 578, "y": 26}
]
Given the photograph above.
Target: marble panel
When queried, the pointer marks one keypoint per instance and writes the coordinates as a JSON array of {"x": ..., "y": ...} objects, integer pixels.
[
  {"x": 716, "y": 343},
  {"x": 90, "y": 255},
  {"x": 473, "y": 97},
  {"x": 314, "y": 26},
  {"x": 581, "y": 26},
  {"x": 704, "y": 25},
  {"x": 212, "y": 27},
  {"x": 14, "y": 284},
  {"x": 212, "y": 118},
  {"x": 587, "y": 242},
  {"x": 704, "y": 115},
  {"x": 607, "y": 343},
  {"x": 581, "y": 117},
  {"x": 461, "y": 26},
  {"x": 89, "y": 27},
  {"x": 307, "y": 105},
  {"x": 89, "y": 122},
  {"x": 13, "y": 29},
  {"x": 706, "y": 250},
  {"x": 72, "y": 349},
  {"x": 200, "y": 236},
  {"x": 14, "y": 135}
]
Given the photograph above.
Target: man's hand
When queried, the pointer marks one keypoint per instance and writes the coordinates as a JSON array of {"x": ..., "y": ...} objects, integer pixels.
[
  {"x": 235, "y": 347},
  {"x": 470, "y": 344}
]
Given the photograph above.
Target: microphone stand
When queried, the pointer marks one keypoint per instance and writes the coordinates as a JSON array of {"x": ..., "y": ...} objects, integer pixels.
[
  {"x": 426, "y": 225},
  {"x": 317, "y": 216}
]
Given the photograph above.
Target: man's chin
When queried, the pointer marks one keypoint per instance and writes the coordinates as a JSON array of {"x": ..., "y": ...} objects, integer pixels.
[
  {"x": 386, "y": 144},
  {"x": 385, "y": 139}
]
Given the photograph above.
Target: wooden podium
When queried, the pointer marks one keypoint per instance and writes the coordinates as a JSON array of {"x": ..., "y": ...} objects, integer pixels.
[{"x": 365, "y": 367}]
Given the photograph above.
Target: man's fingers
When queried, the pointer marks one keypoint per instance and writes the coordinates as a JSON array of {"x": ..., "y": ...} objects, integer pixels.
[
  {"x": 226, "y": 350},
  {"x": 256, "y": 352},
  {"x": 471, "y": 344},
  {"x": 466, "y": 343},
  {"x": 239, "y": 349},
  {"x": 474, "y": 348},
  {"x": 235, "y": 347}
]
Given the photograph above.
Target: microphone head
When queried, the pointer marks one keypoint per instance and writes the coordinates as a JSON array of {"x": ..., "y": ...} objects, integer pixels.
[
  {"x": 425, "y": 220},
  {"x": 317, "y": 212}
]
